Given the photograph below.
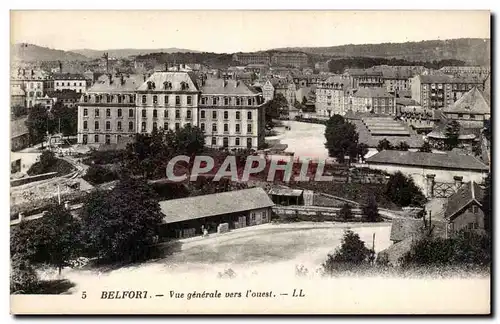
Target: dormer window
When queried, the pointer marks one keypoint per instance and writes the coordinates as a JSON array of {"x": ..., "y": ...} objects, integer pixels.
[{"x": 167, "y": 85}]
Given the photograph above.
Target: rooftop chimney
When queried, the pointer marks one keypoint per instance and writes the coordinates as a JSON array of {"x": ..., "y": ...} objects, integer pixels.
[
  {"x": 110, "y": 77},
  {"x": 144, "y": 77}
]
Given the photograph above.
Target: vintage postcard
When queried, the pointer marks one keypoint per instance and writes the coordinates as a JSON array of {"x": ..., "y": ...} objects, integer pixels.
[{"x": 250, "y": 162}]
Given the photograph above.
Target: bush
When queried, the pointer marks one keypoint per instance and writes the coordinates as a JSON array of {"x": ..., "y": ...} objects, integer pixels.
[
  {"x": 49, "y": 163},
  {"x": 346, "y": 212},
  {"x": 97, "y": 174},
  {"x": 23, "y": 278},
  {"x": 402, "y": 191},
  {"x": 352, "y": 252}
]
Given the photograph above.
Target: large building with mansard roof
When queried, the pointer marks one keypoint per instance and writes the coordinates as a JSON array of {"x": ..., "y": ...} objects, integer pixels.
[{"x": 117, "y": 107}]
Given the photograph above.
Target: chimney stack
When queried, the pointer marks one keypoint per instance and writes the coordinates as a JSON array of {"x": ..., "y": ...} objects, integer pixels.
[{"x": 144, "y": 77}]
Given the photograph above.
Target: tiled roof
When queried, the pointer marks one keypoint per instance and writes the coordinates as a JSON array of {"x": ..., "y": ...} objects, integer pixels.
[
  {"x": 175, "y": 78},
  {"x": 471, "y": 102},
  {"x": 461, "y": 199},
  {"x": 232, "y": 87},
  {"x": 405, "y": 227},
  {"x": 444, "y": 78},
  {"x": 67, "y": 76},
  {"x": 446, "y": 160},
  {"x": 177, "y": 210},
  {"x": 372, "y": 93},
  {"x": 131, "y": 83}
]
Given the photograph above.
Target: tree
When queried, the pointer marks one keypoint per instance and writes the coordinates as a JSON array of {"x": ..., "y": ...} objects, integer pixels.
[
  {"x": 402, "y": 191},
  {"x": 274, "y": 107},
  {"x": 97, "y": 174},
  {"x": 37, "y": 124},
  {"x": 67, "y": 117},
  {"x": 122, "y": 224},
  {"x": 18, "y": 111},
  {"x": 23, "y": 277},
  {"x": 452, "y": 133},
  {"x": 402, "y": 146},
  {"x": 53, "y": 239},
  {"x": 384, "y": 145},
  {"x": 45, "y": 164},
  {"x": 426, "y": 147},
  {"x": 352, "y": 252},
  {"x": 370, "y": 209},
  {"x": 341, "y": 139},
  {"x": 188, "y": 140},
  {"x": 346, "y": 212}
]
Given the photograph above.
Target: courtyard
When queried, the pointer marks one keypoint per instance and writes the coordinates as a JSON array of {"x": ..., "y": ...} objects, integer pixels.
[{"x": 304, "y": 139}]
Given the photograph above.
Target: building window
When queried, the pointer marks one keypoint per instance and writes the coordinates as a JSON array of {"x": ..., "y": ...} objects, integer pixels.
[
  {"x": 249, "y": 102},
  {"x": 226, "y": 114},
  {"x": 177, "y": 100},
  {"x": 165, "y": 126},
  {"x": 85, "y": 124},
  {"x": 177, "y": 114},
  {"x": 214, "y": 128},
  {"x": 238, "y": 128},
  {"x": 214, "y": 101},
  {"x": 119, "y": 113},
  {"x": 144, "y": 99},
  {"x": 474, "y": 209},
  {"x": 108, "y": 139},
  {"x": 119, "y": 125},
  {"x": 155, "y": 113},
  {"x": 96, "y": 125},
  {"x": 226, "y": 128},
  {"x": 249, "y": 128},
  {"x": 177, "y": 126},
  {"x": 57, "y": 84},
  {"x": 108, "y": 112},
  {"x": 155, "y": 126},
  {"x": 214, "y": 114},
  {"x": 202, "y": 114},
  {"x": 225, "y": 142},
  {"x": 189, "y": 100},
  {"x": 214, "y": 141},
  {"x": 130, "y": 126},
  {"x": 96, "y": 112},
  {"x": 202, "y": 127},
  {"x": 96, "y": 138},
  {"x": 226, "y": 101},
  {"x": 108, "y": 98},
  {"x": 238, "y": 115},
  {"x": 144, "y": 113},
  {"x": 237, "y": 101},
  {"x": 108, "y": 125},
  {"x": 85, "y": 112},
  {"x": 249, "y": 143},
  {"x": 188, "y": 114},
  {"x": 131, "y": 113},
  {"x": 237, "y": 141},
  {"x": 165, "y": 113},
  {"x": 143, "y": 126},
  {"x": 85, "y": 139},
  {"x": 155, "y": 99},
  {"x": 166, "y": 100},
  {"x": 119, "y": 98},
  {"x": 249, "y": 115}
]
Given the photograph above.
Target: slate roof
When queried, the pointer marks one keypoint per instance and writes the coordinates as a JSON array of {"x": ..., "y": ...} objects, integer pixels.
[
  {"x": 67, "y": 76},
  {"x": 233, "y": 87},
  {"x": 132, "y": 82},
  {"x": 175, "y": 78},
  {"x": 285, "y": 192},
  {"x": 468, "y": 193},
  {"x": 444, "y": 78},
  {"x": 178, "y": 210},
  {"x": 446, "y": 160},
  {"x": 16, "y": 91},
  {"x": 65, "y": 94},
  {"x": 471, "y": 102}
]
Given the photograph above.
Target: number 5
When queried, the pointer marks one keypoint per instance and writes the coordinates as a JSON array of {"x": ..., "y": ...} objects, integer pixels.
[{"x": 84, "y": 294}]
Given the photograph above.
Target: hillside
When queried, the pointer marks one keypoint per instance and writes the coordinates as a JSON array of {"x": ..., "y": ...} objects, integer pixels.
[
  {"x": 31, "y": 53},
  {"x": 470, "y": 50},
  {"x": 125, "y": 52}
]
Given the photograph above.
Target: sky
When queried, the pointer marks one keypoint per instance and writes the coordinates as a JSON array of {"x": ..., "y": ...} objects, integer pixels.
[{"x": 234, "y": 31}]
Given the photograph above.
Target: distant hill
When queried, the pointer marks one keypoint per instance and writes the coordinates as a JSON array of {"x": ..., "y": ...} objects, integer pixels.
[
  {"x": 125, "y": 52},
  {"x": 470, "y": 50},
  {"x": 30, "y": 53}
]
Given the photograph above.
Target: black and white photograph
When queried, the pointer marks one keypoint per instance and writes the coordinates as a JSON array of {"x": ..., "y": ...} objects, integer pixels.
[{"x": 250, "y": 162}]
